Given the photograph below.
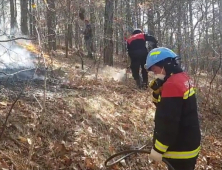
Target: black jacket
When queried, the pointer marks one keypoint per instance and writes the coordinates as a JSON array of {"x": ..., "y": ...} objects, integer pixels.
[
  {"x": 136, "y": 44},
  {"x": 87, "y": 32},
  {"x": 177, "y": 131}
]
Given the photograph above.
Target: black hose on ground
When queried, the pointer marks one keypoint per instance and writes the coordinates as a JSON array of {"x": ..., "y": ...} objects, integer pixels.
[{"x": 127, "y": 153}]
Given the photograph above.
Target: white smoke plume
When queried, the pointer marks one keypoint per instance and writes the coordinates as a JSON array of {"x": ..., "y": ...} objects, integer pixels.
[{"x": 12, "y": 56}]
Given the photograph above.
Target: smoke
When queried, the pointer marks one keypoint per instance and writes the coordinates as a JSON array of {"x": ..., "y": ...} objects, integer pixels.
[
  {"x": 14, "y": 56},
  {"x": 114, "y": 73},
  {"x": 15, "y": 59},
  {"x": 120, "y": 76}
]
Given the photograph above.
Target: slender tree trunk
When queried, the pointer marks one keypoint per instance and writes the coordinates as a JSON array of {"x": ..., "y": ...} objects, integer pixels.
[
  {"x": 179, "y": 19},
  {"x": 108, "y": 33},
  {"x": 93, "y": 26},
  {"x": 70, "y": 34},
  {"x": 123, "y": 47},
  {"x": 3, "y": 13},
  {"x": 220, "y": 32},
  {"x": 67, "y": 32},
  {"x": 159, "y": 29},
  {"x": 34, "y": 20},
  {"x": 128, "y": 17},
  {"x": 24, "y": 16},
  {"x": 213, "y": 28},
  {"x": 143, "y": 15},
  {"x": 66, "y": 41},
  {"x": 136, "y": 13},
  {"x": 151, "y": 27},
  {"x": 116, "y": 29},
  {"x": 191, "y": 23},
  {"x": 76, "y": 35},
  {"x": 30, "y": 18},
  {"x": 51, "y": 25},
  {"x": 13, "y": 19}
]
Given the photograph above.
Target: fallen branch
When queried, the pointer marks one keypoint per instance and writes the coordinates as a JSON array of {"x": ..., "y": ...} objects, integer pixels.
[{"x": 18, "y": 38}]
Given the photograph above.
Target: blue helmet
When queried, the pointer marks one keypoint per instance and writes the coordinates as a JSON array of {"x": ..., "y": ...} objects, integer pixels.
[{"x": 158, "y": 54}]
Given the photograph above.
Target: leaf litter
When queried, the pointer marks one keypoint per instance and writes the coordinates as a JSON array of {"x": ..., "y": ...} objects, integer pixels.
[{"x": 87, "y": 121}]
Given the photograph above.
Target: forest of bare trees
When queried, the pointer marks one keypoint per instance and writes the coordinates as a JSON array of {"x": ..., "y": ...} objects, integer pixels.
[
  {"x": 63, "y": 109},
  {"x": 191, "y": 28}
]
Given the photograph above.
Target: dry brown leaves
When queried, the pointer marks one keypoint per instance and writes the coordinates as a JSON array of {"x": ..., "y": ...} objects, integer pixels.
[{"x": 88, "y": 122}]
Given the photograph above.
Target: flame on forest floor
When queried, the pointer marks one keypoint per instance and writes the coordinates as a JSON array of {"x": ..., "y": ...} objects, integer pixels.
[{"x": 35, "y": 49}]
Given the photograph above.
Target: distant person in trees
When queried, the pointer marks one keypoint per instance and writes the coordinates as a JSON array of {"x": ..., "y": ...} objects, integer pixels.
[
  {"x": 177, "y": 131},
  {"x": 136, "y": 47},
  {"x": 88, "y": 38}
]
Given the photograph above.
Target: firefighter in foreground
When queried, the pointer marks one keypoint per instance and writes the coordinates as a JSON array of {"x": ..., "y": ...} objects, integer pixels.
[
  {"x": 136, "y": 47},
  {"x": 177, "y": 132}
]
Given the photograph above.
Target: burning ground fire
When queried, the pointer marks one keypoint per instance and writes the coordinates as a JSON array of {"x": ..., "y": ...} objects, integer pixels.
[
  {"x": 34, "y": 49},
  {"x": 29, "y": 47}
]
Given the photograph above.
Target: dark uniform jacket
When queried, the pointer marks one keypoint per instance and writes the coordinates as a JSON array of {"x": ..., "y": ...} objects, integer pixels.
[
  {"x": 87, "y": 32},
  {"x": 177, "y": 132},
  {"x": 136, "y": 44}
]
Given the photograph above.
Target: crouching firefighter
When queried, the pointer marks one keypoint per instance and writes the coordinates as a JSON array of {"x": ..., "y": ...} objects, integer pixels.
[
  {"x": 177, "y": 132},
  {"x": 136, "y": 47}
]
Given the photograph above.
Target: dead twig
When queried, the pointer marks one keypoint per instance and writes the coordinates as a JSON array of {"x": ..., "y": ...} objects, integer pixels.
[
  {"x": 18, "y": 38},
  {"x": 38, "y": 102},
  {"x": 9, "y": 113}
]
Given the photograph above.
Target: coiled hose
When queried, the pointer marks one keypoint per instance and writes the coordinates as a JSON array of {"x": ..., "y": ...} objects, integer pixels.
[{"x": 127, "y": 153}]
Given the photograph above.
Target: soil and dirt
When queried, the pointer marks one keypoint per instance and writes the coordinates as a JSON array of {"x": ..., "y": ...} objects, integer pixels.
[{"x": 83, "y": 118}]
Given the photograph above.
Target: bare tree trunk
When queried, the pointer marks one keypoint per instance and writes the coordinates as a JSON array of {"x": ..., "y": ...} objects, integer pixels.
[
  {"x": 30, "y": 18},
  {"x": 220, "y": 33},
  {"x": 123, "y": 46},
  {"x": 128, "y": 17},
  {"x": 136, "y": 13},
  {"x": 186, "y": 34},
  {"x": 151, "y": 27},
  {"x": 116, "y": 29},
  {"x": 3, "y": 13},
  {"x": 108, "y": 33},
  {"x": 77, "y": 37},
  {"x": 191, "y": 23},
  {"x": 159, "y": 29},
  {"x": 51, "y": 25},
  {"x": 13, "y": 19},
  {"x": 179, "y": 19},
  {"x": 24, "y": 16},
  {"x": 93, "y": 23},
  {"x": 213, "y": 28},
  {"x": 70, "y": 33},
  {"x": 67, "y": 39},
  {"x": 34, "y": 21},
  {"x": 143, "y": 14}
]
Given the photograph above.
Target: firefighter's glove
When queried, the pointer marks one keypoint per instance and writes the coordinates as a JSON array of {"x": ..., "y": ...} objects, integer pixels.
[
  {"x": 154, "y": 155},
  {"x": 156, "y": 84},
  {"x": 155, "y": 97}
]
